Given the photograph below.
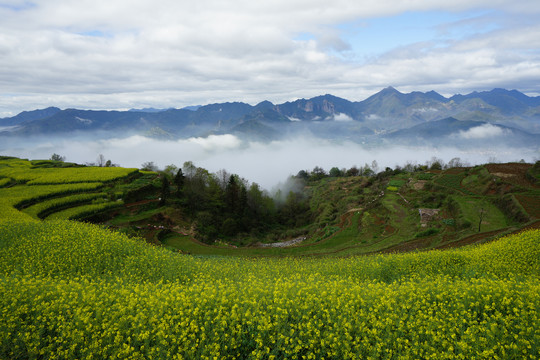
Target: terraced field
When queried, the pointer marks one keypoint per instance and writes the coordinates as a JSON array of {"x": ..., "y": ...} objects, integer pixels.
[
  {"x": 43, "y": 191},
  {"x": 73, "y": 290}
]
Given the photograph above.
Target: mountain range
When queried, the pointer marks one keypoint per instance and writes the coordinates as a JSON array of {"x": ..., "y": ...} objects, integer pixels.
[{"x": 387, "y": 116}]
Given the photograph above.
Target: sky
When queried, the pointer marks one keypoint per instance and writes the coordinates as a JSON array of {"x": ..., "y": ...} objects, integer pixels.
[{"x": 122, "y": 54}]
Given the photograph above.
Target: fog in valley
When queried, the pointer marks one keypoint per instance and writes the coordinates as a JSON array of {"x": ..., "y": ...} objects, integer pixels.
[{"x": 264, "y": 163}]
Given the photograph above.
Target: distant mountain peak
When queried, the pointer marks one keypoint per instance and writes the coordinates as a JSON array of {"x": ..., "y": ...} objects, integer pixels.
[
  {"x": 389, "y": 90},
  {"x": 264, "y": 105}
]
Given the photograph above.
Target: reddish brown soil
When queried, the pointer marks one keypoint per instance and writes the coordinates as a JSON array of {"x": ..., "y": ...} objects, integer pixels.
[
  {"x": 416, "y": 244},
  {"x": 531, "y": 204},
  {"x": 388, "y": 230},
  {"x": 455, "y": 171},
  {"x": 509, "y": 168},
  {"x": 472, "y": 239},
  {"x": 516, "y": 172},
  {"x": 138, "y": 203},
  {"x": 486, "y": 236}
]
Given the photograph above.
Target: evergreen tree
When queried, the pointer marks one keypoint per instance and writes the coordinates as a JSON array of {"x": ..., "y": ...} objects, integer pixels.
[
  {"x": 165, "y": 190},
  {"x": 232, "y": 195},
  {"x": 179, "y": 181}
]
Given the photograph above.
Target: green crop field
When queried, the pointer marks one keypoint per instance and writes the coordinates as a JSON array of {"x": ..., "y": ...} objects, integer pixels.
[{"x": 42, "y": 208}]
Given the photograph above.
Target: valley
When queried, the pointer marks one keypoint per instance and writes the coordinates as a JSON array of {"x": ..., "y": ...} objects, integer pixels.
[{"x": 331, "y": 213}]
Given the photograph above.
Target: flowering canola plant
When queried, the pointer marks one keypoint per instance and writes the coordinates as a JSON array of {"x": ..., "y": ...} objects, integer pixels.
[
  {"x": 74, "y": 290},
  {"x": 23, "y": 171}
]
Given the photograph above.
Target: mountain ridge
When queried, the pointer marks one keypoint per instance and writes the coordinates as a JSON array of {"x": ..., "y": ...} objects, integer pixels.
[{"x": 386, "y": 111}]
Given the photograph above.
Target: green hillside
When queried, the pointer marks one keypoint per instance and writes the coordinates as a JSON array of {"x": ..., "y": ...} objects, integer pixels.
[
  {"x": 74, "y": 290},
  {"x": 339, "y": 213}
]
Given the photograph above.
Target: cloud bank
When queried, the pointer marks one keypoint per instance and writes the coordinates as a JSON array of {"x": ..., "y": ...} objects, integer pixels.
[
  {"x": 486, "y": 131},
  {"x": 264, "y": 163}
]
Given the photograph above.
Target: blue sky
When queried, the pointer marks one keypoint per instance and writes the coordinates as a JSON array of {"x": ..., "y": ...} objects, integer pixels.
[
  {"x": 372, "y": 37},
  {"x": 141, "y": 53}
]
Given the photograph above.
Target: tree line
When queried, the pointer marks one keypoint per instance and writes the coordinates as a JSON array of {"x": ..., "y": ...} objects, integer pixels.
[
  {"x": 226, "y": 205},
  {"x": 373, "y": 169}
]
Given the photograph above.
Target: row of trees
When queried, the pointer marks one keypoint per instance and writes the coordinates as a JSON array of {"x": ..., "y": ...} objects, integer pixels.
[
  {"x": 371, "y": 170},
  {"x": 226, "y": 204},
  {"x": 100, "y": 161}
]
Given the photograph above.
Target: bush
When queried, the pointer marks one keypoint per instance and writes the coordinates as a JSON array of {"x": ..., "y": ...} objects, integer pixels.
[
  {"x": 140, "y": 193},
  {"x": 449, "y": 222},
  {"x": 511, "y": 208},
  {"x": 428, "y": 232}
]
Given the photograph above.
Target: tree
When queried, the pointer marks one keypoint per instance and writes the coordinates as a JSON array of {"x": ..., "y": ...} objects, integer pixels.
[
  {"x": 56, "y": 157},
  {"x": 335, "y": 172},
  {"x": 232, "y": 195},
  {"x": 409, "y": 167},
  {"x": 353, "y": 171},
  {"x": 165, "y": 190},
  {"x": 375, "y": 166},
  {"x": 318, "y": 173},
  {"x": 222, "y": 177},
  {"x": 482, "y": 212},
  {"x": 101, "y": 160},
  {"x": 455, "y": 162},
  {"x": 170, "y": 170},
  {"x": 189, "y": 169},
  {"x": 366, "y": 171},
  {"x": 435, "y": 163},
  {"x": 179, "y": 181},
  {"x": 149, "y": 166},
  {"x": 303, "y": 174},
  {"x": 108, "y": 163}
]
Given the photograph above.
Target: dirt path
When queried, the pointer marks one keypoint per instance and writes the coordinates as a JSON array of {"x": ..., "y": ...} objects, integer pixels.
[
  {"x": 285, "y": 243},
  {"x": 142, "y": 202}
]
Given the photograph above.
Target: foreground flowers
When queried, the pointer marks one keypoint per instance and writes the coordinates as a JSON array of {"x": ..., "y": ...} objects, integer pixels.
[{"x": 73, "y": 290}]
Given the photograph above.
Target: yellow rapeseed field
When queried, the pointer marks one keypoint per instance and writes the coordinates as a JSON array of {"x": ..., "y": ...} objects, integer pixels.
[
  {"x": 23, "y": 171},
  {"x": 77, "y": 291}
]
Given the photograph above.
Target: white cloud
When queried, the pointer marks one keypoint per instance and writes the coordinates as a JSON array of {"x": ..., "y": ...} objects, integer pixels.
[
  {"x": 373, "y": 117},
  {"x": 136, "y": 53},
  {"x": 486, "y": 131},
  {"x": 293, "y": 118},
  {"x": 216, "y": 142},
  {"x": 342, "y": 117}
]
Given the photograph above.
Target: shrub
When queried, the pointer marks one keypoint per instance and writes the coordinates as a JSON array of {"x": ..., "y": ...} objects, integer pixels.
[{"x": 428, "y": 232}]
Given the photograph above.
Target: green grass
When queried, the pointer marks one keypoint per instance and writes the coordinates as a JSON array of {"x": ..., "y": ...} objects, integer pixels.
[
  {"x": 425, "y": 176},
  {"x": 470, "y": 208},
  {"x": 396, "y": 183},
  {"x": 453, "y": 181},
  {"x": 4, "y": 182}
]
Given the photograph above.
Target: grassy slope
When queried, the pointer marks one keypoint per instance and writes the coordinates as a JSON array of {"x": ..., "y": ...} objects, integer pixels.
[{"x": 351, "y": 216}]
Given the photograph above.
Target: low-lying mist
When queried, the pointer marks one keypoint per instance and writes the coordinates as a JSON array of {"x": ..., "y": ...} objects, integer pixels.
[{"x": 264, "y": 163}]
